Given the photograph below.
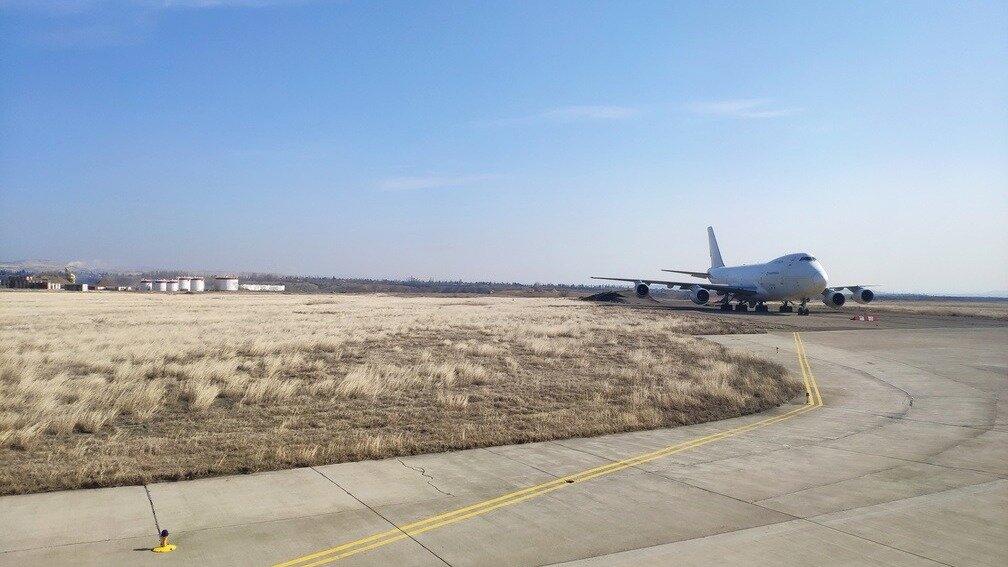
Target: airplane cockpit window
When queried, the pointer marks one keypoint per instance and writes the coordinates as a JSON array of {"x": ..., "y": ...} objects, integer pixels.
[{"x": 806, "y": 259}]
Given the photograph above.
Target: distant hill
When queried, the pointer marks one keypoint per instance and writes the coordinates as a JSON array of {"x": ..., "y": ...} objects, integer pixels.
[{"x": 34, "y": 266}]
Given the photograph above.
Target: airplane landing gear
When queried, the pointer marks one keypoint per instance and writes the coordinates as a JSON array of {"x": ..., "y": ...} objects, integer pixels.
[
  {"x": 802, "y": 309},
  {"x": 741, "y": 306},
  {"x": 726, "y": 306},
  {"x": 786, "y": 308},
  {"x": 762, "y": 307}
]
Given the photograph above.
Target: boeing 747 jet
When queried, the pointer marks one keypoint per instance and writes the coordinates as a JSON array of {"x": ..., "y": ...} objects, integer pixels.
[{"x": 793, "y": 278}]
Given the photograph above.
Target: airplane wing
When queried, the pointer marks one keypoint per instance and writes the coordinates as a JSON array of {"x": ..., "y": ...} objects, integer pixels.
[
  {"x": 736, "y": 290},
  {"x": 851, "y": 287},
  {"x": 703, "y": 275}
]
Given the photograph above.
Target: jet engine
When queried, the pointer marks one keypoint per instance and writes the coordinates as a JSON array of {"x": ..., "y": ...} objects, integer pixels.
[
  {"x": 863, "y": 295},
  {"x": 833, "y": 298},
  {"x": 642, "y": 289},
  {"x": 699, "y": 295}
]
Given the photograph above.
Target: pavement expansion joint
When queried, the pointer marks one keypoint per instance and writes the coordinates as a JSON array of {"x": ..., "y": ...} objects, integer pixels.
[
  {"x": 902, "y": 463},
  {"x": 861, "y": 537},
  {"x": 919, "y": 462},
  {"x": 157, "y": 525},
  {"x": 908, "y": 500}
]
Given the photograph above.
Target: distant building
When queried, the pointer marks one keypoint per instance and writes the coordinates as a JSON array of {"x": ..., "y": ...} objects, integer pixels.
[
  {"x": 75, "y": 287},
  {"x": 36, "y": 282},
  {"x": 262, "y": 287},
  {"x": 226, "y": 283}
]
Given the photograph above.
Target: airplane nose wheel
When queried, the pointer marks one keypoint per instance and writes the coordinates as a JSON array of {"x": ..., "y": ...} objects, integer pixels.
[{"x": 802, "y": 310}]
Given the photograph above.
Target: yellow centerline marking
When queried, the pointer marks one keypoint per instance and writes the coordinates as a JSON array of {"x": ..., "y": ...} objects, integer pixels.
[
  {"x": 805, "y": 373},
  {"x": 364, "y": 544},
  {"x": 806, "y": 369}
]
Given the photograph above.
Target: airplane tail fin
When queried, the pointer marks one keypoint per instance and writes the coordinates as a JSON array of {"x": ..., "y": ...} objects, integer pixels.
[{"x": 715, "y": 253}]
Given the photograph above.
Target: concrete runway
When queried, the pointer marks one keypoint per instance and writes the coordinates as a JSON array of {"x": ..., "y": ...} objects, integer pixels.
[{"x": 905, "y": 463}]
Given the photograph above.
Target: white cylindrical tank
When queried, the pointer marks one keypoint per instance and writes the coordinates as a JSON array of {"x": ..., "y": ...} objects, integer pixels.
[
  {"x": 227, "y": 283},
  {"x": 160, "y": 285},
  {"x": 197, "y": 284},
  {"x": 184, "y": 283},
  {"x": 146, "y": 285},
  {"x": 172, "y": 285}
]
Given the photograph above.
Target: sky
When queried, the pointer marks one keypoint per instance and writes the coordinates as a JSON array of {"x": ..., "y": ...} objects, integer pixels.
[{"x": 508, "y": 141}]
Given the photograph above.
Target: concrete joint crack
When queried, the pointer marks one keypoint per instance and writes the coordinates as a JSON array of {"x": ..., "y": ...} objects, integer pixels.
[
  {"x": 157, "y": 526},
  {"x": 423, "y": 473}
]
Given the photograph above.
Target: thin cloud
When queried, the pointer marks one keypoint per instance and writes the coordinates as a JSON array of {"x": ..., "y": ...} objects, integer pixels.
[
  {"x": 429, "y": 182},
  {"x": 743, "y": 108}
]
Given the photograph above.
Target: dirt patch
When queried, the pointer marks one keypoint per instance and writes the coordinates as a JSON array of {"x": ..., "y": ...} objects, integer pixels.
[{"x": 606, "y": 296}]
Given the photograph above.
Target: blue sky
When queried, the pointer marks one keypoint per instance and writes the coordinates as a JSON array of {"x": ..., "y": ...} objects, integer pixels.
[{"x": 529, "y": 141}]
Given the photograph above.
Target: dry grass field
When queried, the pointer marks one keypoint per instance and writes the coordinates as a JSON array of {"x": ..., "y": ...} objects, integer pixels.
[
  {"x": 103, "y": 389},
  {"x": 982, "y": 309}
]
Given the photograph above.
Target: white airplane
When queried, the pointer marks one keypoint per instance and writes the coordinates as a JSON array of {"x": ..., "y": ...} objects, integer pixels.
[{"x": 791, "y": 278}]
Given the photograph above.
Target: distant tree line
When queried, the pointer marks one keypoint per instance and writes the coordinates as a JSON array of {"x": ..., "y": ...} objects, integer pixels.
[{"x": 321, "y": 284}]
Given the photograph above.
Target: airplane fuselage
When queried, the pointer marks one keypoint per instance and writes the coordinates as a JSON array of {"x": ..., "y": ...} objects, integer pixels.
[{"x": 790, "y": 277}]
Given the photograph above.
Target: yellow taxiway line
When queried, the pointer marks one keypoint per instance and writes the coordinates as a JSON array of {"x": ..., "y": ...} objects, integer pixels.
[{"x": 364, "y": 544}]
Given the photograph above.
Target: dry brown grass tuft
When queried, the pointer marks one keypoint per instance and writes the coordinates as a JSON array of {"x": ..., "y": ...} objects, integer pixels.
[
  {"x": 453, "y": 400},
  {"x": 106, "y": 389},
  {"x": 199, "y": 393}
]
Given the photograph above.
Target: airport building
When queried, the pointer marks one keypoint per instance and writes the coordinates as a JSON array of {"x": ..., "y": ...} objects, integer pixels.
[
  {"x": 36, "y": 282},
  {"x": 226, "y": 283},
  {"x": 262, "y": 287}
]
